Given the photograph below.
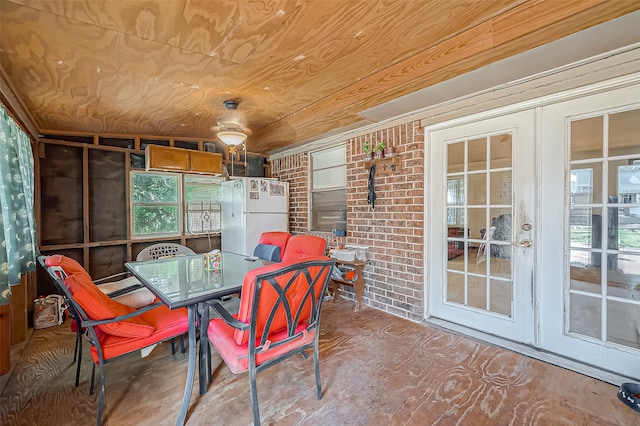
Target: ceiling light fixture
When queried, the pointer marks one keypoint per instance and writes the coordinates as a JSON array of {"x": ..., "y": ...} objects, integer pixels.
[
  {"x": 231, "y": 136},
  {"x": 230, "y": 128}
]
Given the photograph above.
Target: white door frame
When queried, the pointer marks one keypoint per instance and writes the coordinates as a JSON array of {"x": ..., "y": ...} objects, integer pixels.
[{"x": 519, "y": 326}]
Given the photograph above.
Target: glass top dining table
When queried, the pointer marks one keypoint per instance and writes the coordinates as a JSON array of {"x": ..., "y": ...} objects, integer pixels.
[{"x": 183, "y": 281}]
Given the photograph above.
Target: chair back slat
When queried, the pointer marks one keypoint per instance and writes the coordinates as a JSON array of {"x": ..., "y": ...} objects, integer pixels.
[
  {"x": 156, "y": 251},
  {"x": 286, "y": 302}
]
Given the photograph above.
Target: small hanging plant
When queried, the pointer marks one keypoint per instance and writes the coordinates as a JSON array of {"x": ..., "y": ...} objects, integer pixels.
[
  {"x": 368, "y": 153},
  {"x": 380, "y": 149}
]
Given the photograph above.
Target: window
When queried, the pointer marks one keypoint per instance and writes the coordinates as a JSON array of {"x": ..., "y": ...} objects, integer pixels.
[
  {"x": 202, "y": 200},
  {"x": 455, "y": 197},
  {"x": 163, "y": 204},
  {"x": 581, "y": 196},
  {"x": 629, "y": 189},
  {"x": 329, "y": 189},
  {"x": 582, "y": 185}
]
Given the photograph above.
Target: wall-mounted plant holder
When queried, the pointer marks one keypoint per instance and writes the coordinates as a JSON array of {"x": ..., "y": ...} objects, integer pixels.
[{"x": 385, "y": 166}]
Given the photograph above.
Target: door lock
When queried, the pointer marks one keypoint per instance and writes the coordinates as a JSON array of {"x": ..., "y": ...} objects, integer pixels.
[{"x": 526, "y": 227}]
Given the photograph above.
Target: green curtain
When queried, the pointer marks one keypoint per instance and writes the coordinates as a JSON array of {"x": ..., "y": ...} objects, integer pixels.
[{"x": 18, "y": 248}]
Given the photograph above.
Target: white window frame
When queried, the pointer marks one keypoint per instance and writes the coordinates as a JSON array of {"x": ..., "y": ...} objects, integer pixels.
[
  {"x": 213, "y": 207},
  {"x": 181, "y": 205},
  {"x": 313, "y": 188}
]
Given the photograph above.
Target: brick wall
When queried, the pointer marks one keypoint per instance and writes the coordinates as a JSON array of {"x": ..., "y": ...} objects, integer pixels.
[
  {"x": 295, "y": 170},
  {"x": 394, "y": 231}
]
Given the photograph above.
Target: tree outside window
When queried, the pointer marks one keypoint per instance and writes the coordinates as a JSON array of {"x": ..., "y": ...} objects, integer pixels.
[{"x": 155, "y": 204}]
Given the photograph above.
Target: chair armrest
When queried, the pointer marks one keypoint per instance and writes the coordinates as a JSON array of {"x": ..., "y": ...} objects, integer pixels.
[
  {"x": 92, "y": 323},
  {"x": 110, "y": 277},
  {"x": 226, "y": 316},
  {"x": 125, "y": 290}
]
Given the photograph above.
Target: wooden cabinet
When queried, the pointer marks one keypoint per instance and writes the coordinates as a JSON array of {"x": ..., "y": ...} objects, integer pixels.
[
  {"x": 165, "y": 158},
  {"x": 206, "y": 162},
  {"x": 182, "y": 160}
]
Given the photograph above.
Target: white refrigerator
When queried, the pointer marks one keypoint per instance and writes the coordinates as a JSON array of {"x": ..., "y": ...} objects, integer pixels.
[{"x": 249, "y": 207}]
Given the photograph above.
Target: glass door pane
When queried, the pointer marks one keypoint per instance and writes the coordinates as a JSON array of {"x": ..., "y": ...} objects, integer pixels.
[
  {"x": 604, "y": 228},
  {"x": 478, "y": 235}
]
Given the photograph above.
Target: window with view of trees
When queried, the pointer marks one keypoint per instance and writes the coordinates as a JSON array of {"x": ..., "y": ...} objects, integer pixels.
[
  {"x": 329, "y": 189},
  {"x": 155, "y": 204},
  {"x": 159, "y": 203}
]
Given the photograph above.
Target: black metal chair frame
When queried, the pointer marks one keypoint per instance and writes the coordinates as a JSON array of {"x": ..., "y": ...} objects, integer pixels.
[
  {"x": 77, "y": 353},
  {"x": 85, "y": 323},
  {"x": 293, "y": 320}
]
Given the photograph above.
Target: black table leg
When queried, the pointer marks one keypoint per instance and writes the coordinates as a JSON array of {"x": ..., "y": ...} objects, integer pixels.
[
  {"x": 204, "y": 367},
  {"x": 192, "y": 365}
]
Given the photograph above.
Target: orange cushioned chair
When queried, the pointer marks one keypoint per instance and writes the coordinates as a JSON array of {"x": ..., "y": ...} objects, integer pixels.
[
  {"x": 277, "y": 239},
  {"x": 112, "y": 328},
  {"x": 127, "y": 291},
  {"x": 300, "y": 247},
  {"x": 279, "y": 317}
]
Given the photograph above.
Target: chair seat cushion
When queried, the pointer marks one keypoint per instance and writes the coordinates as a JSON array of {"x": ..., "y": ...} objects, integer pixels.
[
  {"x": 166, "y": 323},
  {"x": 98, "y": 306},
  {"x": 236, "y": 356},
  {"x": 135, "y": 299}
]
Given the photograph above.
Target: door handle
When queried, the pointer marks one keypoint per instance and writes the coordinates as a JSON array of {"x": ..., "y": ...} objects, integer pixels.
[{"x": 524, "y": 243}]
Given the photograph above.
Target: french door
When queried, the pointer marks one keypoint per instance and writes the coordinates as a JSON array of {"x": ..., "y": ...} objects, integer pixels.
[
  {"x": 590, "y": 230},
  {"x": 534, "y": 228},
  {"x": 481, "y": 234}
]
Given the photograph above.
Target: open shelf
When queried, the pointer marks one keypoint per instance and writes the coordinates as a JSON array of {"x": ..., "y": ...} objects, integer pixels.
[{"x": 384, "y": 166}]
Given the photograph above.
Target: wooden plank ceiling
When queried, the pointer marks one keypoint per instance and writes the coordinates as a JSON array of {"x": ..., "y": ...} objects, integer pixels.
[{"x": 299, "y": 68}]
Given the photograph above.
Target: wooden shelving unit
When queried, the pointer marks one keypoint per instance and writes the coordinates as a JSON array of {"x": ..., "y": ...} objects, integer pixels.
[
  {"x": 384, "y": 166},
  {"x": 357, "y": 282}
]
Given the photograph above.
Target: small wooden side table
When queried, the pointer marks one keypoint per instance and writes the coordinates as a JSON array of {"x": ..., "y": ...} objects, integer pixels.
[{"x": 357, "y": 282}]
